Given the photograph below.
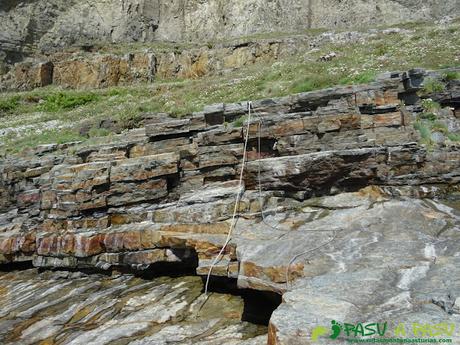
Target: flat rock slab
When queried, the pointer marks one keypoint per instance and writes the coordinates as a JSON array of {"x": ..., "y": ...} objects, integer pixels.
[{"x": 74, "y": 308}]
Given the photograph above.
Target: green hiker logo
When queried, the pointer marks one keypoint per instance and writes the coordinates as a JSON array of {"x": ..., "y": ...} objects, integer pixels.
[
  {"x": 319, "y": 331},
  {"x": 378, "y": 331},
  {"x": 348, "y": 329},
  {"x": 336, "y": 329}
]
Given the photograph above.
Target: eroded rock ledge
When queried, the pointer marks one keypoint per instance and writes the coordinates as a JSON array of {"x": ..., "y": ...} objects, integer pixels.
[{"x": 340, "y": 169}]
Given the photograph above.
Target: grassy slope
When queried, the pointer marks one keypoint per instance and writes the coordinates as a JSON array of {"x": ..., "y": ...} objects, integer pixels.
[{"x": 52, "y": 115}]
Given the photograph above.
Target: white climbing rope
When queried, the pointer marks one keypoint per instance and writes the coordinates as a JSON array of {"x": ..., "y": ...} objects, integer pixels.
[
  {"x": 237, "y": 202},
  {"x": 334, "y": 236},
  {"x": 276, "y": 227}
]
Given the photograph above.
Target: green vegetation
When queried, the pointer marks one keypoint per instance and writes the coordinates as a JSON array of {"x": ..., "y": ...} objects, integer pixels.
[
  {"x": 454, "y": 137},
  {"x": 428, "y": 116},
  {"x": 431, "y": 85},
  {"x": 239, "y": 122},
  {"x": 425, "y": 133},
  {"x": 429, "y": 105},
  {"x": 99, "y": 132},
  {"x": 58, "y": 136},
  {"x": 306, "y": 85},
  {"x": 450, "y": 75},
  {"x": 361, "y": 78},
  {"x": 428, "y": 122},
  {"x": 64, "y": 101},
  {"x": 41, "y": 115},
  {"x": 9, "y": 104},
  {"x": 429, "y": 110},
  {"x": 439, "y": 127}
]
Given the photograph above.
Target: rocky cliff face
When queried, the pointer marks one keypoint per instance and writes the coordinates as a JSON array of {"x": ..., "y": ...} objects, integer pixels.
[
  {"x": 30, "y": 25},
  {"x": 347, "y": 202}
]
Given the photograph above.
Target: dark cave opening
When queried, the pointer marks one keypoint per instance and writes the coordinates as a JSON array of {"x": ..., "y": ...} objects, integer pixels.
[
  {"x": 258, "y": 305},
  {"x": 16, "y": 266}
]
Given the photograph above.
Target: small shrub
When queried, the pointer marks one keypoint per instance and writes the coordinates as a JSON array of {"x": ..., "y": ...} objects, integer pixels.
[
  {"x": 239, "y": 122},
  {"x": 429, "y": 105},
  {"x": 432, "y": 85},
  {"x": 98, "y": 132},
  {"x": 130, "y": 119},
  {"x": 381, "y": 49},
  {"x": 454, "y": 137},
  {"x": 428, "y": 116},
  {"x": 115, "y": 92},
  {"x": 61, "y": 101},
  {"x": 425, "y": 133},
  {"x": 439, "y": 127},
  {"x": 9, "y": 104}
]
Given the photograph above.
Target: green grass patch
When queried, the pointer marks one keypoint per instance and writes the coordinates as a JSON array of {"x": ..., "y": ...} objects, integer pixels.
[
  {"x": 361, "y": 78},
  {"x": 425, "y": 133},
  {"x": 451, "y": 75},
  {"x": 454, "y": 137},
  {"x": 59, "y": 136},
  {"x": 9, "y": 104},
  {"x": 99, "y": 132},
  {"x": 356, "y": 63},
  {"x": 304, "y": 86},
  {"x": 431, "y": 85},
  {"x": 428, "y": 116},
  {"x": 439, "y": 127},
  {"x": 239, "y": 122},
  {"x": 427, "y": 126},
  {"x": 65, "y": 101},
  {"x": 429, "y": 105}
]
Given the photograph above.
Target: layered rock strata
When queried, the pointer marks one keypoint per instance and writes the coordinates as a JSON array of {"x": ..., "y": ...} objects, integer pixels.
[
  {"x": 343, "y": 184},
  {"x": 77, "y": 309},
  {"x": 96, "y": 66}
]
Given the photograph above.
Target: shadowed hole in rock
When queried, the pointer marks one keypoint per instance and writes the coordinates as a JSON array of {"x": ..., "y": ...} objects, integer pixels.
[
  {"x": 371, "y": 109},
  {"x": 16, "y": 266},
  {"x": 101, "y": 188},
  {"x": 176, "y": 135},
  {"x": 453, "y": 103},
  {"x": 172, "y": 181},
  {"x": 258, "y": 305},
  {"x": 268, "y": 148},
  {"x": 185, "y": 267}
]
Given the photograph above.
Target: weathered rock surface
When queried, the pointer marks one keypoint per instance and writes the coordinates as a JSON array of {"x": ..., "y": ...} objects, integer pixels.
[
  {"x": 96, "y": 70},
  {"x": 348, "y": 200},
  {"x": 71, "y": 308},
  {"x": 49, "y": 42},
  {"x": 48, "y": 24},
  {"x": 385, "y": 264}
]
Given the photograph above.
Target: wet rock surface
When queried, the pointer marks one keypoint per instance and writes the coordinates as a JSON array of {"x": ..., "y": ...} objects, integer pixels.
[{"x": 74, "y": 308}]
